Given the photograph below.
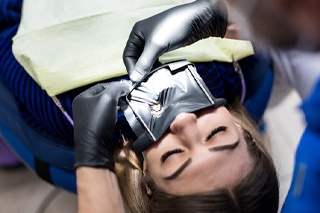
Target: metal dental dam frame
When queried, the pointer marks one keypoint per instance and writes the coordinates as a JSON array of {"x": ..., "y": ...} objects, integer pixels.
[{"x": 152, "y": 104}]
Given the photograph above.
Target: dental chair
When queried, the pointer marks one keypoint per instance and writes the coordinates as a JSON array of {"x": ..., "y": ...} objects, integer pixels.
[{"x": 50, "y": 159}]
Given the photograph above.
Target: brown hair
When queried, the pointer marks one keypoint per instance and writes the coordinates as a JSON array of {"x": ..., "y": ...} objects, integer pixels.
[{"x": 258, "y": 191}]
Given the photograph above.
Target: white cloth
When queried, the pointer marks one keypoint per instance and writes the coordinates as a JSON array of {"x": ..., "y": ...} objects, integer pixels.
[{"x": 300, "y": 69}]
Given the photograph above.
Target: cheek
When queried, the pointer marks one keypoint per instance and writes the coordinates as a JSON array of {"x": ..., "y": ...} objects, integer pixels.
[
  {"x": 151, "y": 169},
  {"x": 147, "y": 156},
  {"x": 147, "y": 166},
  {"x": 151, "y": 160}
]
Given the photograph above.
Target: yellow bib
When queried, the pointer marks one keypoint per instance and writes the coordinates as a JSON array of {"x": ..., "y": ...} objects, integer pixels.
[{"x": 73, "y": 43}]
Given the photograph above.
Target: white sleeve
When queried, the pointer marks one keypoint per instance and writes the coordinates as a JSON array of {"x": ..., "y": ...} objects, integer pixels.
[{"x": 300, "y": 69}]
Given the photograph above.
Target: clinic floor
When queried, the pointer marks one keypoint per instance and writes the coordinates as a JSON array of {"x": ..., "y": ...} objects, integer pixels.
[{"x": 22, "y": 191}]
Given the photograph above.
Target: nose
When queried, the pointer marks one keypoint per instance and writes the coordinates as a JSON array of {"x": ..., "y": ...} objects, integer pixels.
[{"x": 184, "y": 122}]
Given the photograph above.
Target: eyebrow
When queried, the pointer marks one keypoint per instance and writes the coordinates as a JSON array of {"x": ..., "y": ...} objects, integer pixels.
[
  {"x": 225, "y": 147},
  {"x": 212, "y": 149},
  {"x": 179, "y": 170}
]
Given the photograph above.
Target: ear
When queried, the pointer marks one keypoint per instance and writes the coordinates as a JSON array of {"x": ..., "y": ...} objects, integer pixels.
[{"x": 146, "y": 177}]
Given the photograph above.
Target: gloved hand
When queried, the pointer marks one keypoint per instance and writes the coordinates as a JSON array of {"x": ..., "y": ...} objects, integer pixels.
[
  {"x": 95, "y": 113},
  {"x": 171, "y": 29}
]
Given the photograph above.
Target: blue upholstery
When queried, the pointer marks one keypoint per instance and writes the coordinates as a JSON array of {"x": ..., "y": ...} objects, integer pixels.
[
  {"x": 257, "y": 103},
  {"x": 51, "y": 161}
]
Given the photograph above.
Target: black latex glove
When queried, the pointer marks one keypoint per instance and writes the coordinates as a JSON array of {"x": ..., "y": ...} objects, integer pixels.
[
  {"x": 171, "y": 29},
  {"x": 95, "y": 114}
]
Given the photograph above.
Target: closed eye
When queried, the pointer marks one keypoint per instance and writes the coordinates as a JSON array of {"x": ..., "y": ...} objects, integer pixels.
[
  {"x": 169, "y": 153},
  {"x": 215, "y": 131}
]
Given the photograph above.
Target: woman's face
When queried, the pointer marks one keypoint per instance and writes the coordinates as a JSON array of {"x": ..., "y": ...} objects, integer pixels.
[{"x": 200, "y": 152}]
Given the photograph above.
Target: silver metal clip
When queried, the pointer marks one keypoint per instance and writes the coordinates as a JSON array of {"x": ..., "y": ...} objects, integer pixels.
[{"x": 237, "y": 68}]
